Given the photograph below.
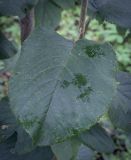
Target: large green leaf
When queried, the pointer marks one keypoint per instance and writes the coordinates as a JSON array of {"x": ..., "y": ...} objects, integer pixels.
[
  {"x": 7, "y": 152},
  {"x": 47, "y": 14},
  {"x": 59, "y": 89},
  {"x": 7, "y": 49},
  {"x": 16, "y": 7},
  {"x": 98, "y": 139}
]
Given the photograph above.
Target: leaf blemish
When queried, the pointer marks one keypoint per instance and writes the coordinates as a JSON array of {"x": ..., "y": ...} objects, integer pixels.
[
  {"x": 84, "y": 96},
  {"x": 93, "y": 51},
  {"x": 81, "y": 82},
  {"x": 65, "y": 84}
]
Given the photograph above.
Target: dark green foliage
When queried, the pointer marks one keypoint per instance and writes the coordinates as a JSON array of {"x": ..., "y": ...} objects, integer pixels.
[
  {"x": 7, "y": 50},
  {"x": 98, "y": 139},
  {"x": 7, "y": 152},
  {"x": 15, "y": 7},
  {"x": 65, "y": 4},
  {"x": 73, "y": 150},
  {"x": 114, "y": 11},
  {"x": 24, "y": 142},
  {"x": 85, "y": 153},
  {"x": 66, "y": 150},
  {"x": 47, "y": 14},
  {"x": 7, "y": 120},
  {"x": 120, "y": 110},
  {"x": 60, "y": 89}
]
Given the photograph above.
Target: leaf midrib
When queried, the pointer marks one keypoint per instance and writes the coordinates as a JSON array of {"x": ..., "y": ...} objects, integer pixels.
[{"x": 43, "y": 119}]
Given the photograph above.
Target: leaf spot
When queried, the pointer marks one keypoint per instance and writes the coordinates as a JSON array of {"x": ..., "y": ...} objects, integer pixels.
[{"x": 93, "y": 51}]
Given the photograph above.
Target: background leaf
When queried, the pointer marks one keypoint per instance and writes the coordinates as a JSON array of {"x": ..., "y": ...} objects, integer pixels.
[
  {"x": 7, "y": 120},
  {"x": 66, "y": 150},
  {"x": 24, "y": 142},
  {"x": 114, "y": 11},
  {"x": 47, "y": 14},
  {"x": 15, "y": 7},
  {"x": 120, "y": 110},
  {"x": 65, "y": 4},
  {"x": 98, "y": 139},
  {"x": 85, "y": 153},
  {"x": 7, "y": 49},
  {"x": 7, "y": 152}
]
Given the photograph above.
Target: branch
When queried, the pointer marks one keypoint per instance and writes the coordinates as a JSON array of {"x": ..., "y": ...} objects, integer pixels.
[
  {"x": 87, "y": 24},
  {"x": 27, "y": 25},
  {"x": 127, "y": 38},
  {"x": 82, "y": 23},
  {"x": 54, "y": 158}
]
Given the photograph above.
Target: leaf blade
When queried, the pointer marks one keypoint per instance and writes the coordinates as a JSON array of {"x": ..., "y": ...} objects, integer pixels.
[{"x": 68, "y": 84}]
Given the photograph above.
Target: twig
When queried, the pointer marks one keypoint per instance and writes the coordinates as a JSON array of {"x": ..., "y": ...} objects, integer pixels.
[
  {"x": 127, "y": 38},
  {"x": 87, "y": 24},
  {"x": 27, "y": 25},
  {"x": 82, "y": 23}
]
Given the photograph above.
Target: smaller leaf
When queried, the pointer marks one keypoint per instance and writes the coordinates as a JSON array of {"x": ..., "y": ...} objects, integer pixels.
[
  {"x": 47, "y": 14},
  {"x": 98, "y": 139},
  {"x": 7, "y": 49},
  {"x": 120, "y": 110},
  {"x": 114, "y": 11},
  {"x": 123, "y": 96},
  {"x": 65, "y": 4},
  {"x": 85, "y": 153},
  {"x": 66, "y": 150},
  {"x": 27, "y": 25},
  {"x": 16, "y": 7},
  {"x": 24, "y": 142}
]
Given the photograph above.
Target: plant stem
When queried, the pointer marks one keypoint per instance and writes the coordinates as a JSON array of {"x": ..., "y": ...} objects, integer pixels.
[
  {"x": 27, "y": 25},
  {"x": 82, "y": 23},
  {"x": 54, "y": 158}
]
